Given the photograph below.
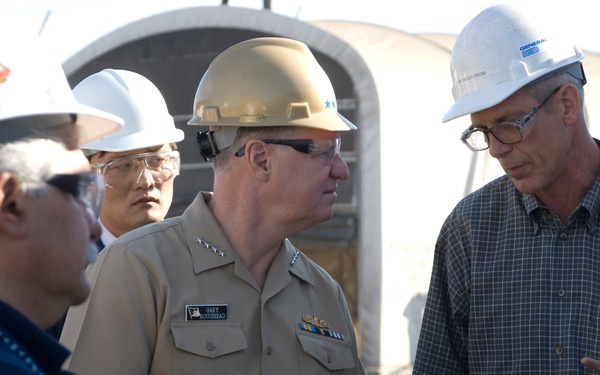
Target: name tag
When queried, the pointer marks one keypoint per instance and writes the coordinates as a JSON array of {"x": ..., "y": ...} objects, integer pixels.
[{"x": 205, "y": 312}]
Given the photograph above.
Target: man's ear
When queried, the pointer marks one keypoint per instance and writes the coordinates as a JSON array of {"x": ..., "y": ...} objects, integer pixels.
[
  {"x": 257, "y": 159},
  {"x": 11, "y": 217},
  {"x": 571, "y": 104}
]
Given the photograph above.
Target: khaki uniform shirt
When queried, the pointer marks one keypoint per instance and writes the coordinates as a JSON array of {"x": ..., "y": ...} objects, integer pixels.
[{"x": 173, "y": 298}]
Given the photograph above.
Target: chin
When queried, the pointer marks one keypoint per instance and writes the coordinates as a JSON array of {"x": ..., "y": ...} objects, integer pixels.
[
  {"x": 326, "y": 216},
  {"x": 147, "y": 218},
  {"x": 525, "y": 188},
  {"x": 82, "y": 292},
  {"x": 156, "y": 215}
]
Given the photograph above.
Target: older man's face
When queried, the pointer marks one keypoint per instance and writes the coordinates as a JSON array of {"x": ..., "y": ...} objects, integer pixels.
[{"x": 60, "y": 228}]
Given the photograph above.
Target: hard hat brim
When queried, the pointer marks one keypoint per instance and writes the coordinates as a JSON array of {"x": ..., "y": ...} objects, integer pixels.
[
  {"x": 94, "y": 124},
  {"x": 91, "y": 124},
  {"x": 493, "y": 95},
  {"x": 326, "y": 121},
  {"x": 483, "y": 99},
  {"x": 141, "y": 139}
]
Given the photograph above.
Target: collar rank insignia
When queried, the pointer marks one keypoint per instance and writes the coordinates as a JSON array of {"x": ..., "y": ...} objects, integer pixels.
[
  {"x": 294, "y": 257},
  {"x": 319, "y": 326},
  {"x": 210, "y": 247}
]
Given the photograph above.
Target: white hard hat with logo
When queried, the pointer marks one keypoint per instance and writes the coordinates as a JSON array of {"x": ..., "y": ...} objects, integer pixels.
[
  {"x": 263, "y": 82},
  {"x": 502, "y": 50},
  {"x": 135, "y": 99},
  {"x": 35, "y": 97}
]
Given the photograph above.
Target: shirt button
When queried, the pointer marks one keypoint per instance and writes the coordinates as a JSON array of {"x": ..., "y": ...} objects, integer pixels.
[
  {"x": 561, "y": 292},
  {"x": 562, "y": 235},
  {"x": 210, "y": 346},
  {"x": 560, "y": 350},
  {"x": 329, "y": 360},
  {"x": 269, "y": 350}
]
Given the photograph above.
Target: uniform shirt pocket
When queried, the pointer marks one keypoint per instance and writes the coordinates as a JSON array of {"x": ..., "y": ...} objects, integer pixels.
[
  {"x": 332, "y": 353},
  {"x": 209, "y": 340}
]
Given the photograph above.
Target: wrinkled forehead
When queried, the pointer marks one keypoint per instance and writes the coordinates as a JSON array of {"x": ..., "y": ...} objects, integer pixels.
[{"x": 519, "y": 103}]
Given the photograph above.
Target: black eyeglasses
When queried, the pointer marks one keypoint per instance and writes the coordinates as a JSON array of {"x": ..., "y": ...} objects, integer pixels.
[
  {"x": 476, "y": 137},
  {"x": 323, "y": 149},
  {"x": 87, "y": 187}
]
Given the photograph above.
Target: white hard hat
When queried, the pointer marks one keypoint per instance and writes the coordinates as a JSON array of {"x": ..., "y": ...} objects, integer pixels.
[
  {"x": 138, "y": 101},
  {"x": 500, "y": 51},
  {"x": 35, "y": 96},
  {"x": 264, "y": 82}
]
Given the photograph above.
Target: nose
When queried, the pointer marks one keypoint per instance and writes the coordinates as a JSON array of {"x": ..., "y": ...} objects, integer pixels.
[
  {"x": 92, "y": 248},
  {"x": 95, "y": 229},
  {"x": 339, "y": 168},
  {"x": 145, "y": 179},
  {"x": 92, "y": 220},
  {"x": 496, "y": 148}
]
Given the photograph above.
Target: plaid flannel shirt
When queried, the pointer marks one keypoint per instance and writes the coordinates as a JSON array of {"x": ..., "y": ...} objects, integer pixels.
[{"x": 512, "y": 289}]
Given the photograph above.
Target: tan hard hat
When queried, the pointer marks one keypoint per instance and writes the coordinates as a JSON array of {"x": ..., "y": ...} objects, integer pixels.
[{"x": 266, "y": 82}]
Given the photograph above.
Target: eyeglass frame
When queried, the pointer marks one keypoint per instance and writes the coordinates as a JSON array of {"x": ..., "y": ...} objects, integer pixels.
[
  {"x": 520, "y": 122},
  {"x": 301, "y": 145},
  {"x": 77, "y": 185},
  {"x": 100, "y": 167}
]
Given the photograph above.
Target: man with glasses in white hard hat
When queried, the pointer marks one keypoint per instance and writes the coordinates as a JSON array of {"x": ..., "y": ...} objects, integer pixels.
[
  {"x": 515, "y": 286},
  {"x": 140, "y": 161},
  {"x": 220, "y": 290},
  {"x": 49, "y": 204}
]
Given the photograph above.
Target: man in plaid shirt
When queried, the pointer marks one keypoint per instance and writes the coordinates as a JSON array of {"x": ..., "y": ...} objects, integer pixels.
[{"x": 515, "y": 286}]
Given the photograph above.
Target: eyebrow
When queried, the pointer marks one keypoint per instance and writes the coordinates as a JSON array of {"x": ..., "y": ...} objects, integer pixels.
[{"x": 500, "y": 119}]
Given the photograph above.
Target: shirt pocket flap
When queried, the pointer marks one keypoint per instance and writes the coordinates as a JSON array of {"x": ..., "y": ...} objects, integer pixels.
[
  {"x": 331, "y": 353},
  {"x": 210, "y": 341}
]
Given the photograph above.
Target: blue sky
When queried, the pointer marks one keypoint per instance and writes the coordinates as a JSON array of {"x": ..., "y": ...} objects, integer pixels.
[{"x": 68, "y": 25}]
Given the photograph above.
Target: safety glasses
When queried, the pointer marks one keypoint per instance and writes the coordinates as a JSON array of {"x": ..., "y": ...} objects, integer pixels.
[
  {"x": 323, "y": 149},
  {"x": 87, "y": 187},
  {"x": 121, "y": 172}
]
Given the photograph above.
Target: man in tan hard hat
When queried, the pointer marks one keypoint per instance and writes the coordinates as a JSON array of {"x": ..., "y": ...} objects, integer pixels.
[
  {"x": 140, "y": 161},
  {"x": 515, "y": 286},
  {"x": 220, "y": 290},
  {"x": 49, "y": 202}
]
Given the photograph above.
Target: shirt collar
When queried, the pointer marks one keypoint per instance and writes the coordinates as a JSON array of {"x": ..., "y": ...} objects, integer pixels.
[
  {"x": 46, "y": 351},
  {"x": 107, "y": 237},
  {"x": 591, "y": 203},
  {"x": 210, "y": 248}
]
